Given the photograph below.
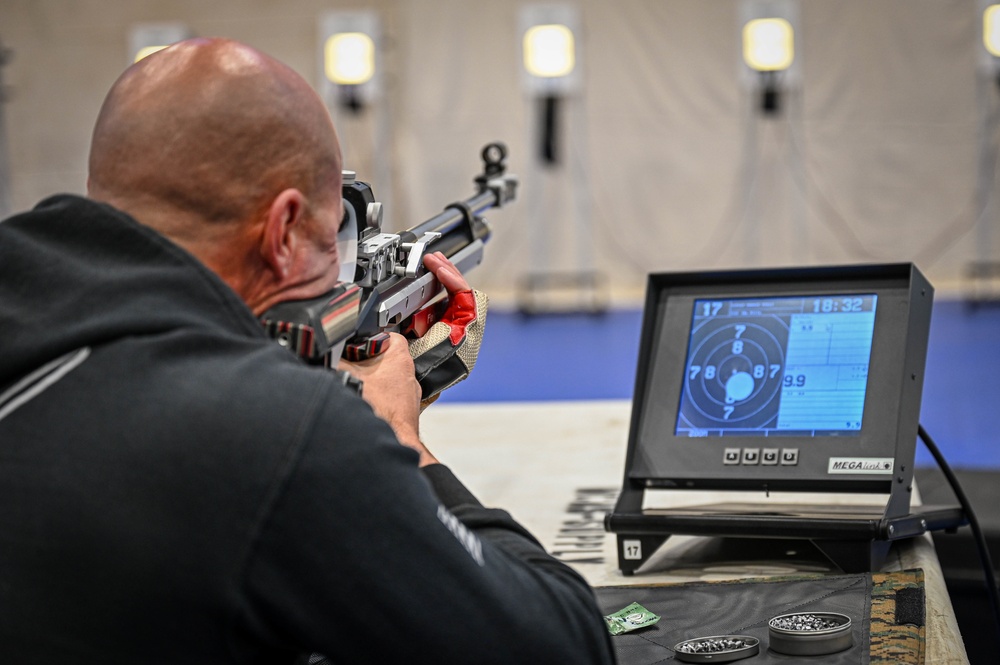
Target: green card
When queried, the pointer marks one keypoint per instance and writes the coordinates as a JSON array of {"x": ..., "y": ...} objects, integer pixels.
[{"x": 633, "y": 617}]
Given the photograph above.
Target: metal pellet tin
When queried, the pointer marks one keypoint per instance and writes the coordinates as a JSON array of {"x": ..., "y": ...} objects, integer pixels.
[
  {"x": 717, "y": 648},
  {"x": 810, "y": 633}
]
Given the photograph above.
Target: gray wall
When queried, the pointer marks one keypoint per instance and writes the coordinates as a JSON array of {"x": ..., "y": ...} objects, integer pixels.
[{"x": 885, "y": 152}]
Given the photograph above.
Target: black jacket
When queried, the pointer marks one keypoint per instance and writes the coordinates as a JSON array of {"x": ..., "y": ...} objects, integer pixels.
[{"x": 177, "y": 488}]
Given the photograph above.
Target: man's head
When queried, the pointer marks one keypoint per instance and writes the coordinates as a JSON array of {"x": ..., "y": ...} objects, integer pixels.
[{"x": 232, "y": 155}]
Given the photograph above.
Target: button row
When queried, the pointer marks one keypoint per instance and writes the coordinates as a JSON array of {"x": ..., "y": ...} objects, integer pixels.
[{"x": 763, "y": 456}]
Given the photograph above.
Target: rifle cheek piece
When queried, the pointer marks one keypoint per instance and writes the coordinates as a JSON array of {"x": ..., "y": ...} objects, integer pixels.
[{"x": 315, "y": 329}]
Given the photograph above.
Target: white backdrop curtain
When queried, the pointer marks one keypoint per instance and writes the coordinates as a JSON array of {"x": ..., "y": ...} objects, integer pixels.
[{"x": 885, "y": 151}]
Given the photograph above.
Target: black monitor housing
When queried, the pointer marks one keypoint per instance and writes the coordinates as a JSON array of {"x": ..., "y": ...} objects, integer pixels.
[{"x": 784, "y": 380}]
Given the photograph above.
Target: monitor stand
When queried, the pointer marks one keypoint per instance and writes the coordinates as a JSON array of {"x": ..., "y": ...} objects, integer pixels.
[{"x": 856, "y": 538}]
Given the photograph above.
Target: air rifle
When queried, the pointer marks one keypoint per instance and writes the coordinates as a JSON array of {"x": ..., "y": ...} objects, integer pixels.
[{"x": 383, "y": 285}]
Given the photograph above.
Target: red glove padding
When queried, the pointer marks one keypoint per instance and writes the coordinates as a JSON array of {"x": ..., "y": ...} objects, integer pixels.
[{"x": 447, "y": 352}]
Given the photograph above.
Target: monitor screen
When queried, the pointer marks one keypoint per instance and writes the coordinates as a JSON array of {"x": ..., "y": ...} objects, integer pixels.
[{"x": 782, "y": 366}]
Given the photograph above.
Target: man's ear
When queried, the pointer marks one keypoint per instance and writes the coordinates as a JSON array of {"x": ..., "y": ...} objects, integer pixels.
[{"x": 283, "y": 226}]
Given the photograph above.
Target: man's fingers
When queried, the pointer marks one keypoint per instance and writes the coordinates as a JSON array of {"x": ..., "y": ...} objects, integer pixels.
[{"x": 446, "y": 272}]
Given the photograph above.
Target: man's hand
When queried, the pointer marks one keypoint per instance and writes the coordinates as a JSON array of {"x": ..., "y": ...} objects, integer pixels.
[
  {"x": 446, "y": 352},
  {"x": 391, "y": 388},
  {"x": 390, "y": 378}
]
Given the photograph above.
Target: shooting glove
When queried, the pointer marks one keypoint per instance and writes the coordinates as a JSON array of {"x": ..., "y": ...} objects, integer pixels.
[{"x": 447, "y": 351}]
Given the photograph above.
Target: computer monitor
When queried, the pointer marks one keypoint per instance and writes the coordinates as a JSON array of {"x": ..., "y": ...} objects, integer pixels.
[
  {"x": 804, "y": 380},
  {"x": 798, "y": 379}
]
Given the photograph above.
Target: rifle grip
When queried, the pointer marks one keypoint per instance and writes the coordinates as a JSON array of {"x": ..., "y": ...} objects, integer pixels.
[
  {"x": 422, "y": 320},
  {"x": 356, "y": 351}
]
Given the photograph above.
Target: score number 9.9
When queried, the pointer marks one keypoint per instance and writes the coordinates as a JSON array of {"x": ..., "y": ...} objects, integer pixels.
[{"x": 794, "y": 380}]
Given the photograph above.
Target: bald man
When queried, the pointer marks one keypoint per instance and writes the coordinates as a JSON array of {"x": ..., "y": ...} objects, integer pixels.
[{"x": 177, "y": 488}]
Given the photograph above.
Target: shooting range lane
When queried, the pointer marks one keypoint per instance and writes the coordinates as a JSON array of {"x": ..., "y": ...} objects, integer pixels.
[{"x": 557, "y": 467}]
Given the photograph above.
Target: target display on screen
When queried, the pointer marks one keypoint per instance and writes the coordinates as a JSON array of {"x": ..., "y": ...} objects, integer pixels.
[{"x": 777, "y": 366}]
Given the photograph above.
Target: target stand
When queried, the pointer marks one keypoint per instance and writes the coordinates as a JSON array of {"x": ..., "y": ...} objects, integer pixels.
[{"x": 804, "y": 380}]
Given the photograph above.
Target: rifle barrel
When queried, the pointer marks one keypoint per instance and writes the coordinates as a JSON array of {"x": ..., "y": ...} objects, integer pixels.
[{"x": 454, "y": 219}]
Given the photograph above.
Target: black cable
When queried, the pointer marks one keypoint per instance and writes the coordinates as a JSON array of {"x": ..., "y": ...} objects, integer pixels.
[{"x": 977, "y": 534}]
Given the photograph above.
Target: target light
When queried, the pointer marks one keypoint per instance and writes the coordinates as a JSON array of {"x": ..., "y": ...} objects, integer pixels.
[
  {"x": 349, "y": 58},
  {"x": 349, "y": 53},
  {"x": 149, "y": 50},
  {"x": 148, "y": 38},
  {"x": 991, "y": 29},
  {"x": 768, "y": 44},
  {"x": 549, "y": 50}
]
